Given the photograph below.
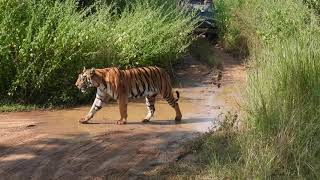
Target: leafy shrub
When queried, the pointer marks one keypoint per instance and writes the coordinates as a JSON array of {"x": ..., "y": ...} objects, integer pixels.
[
  {"x": 231, "y": 30},
  {"x": 44, "y": 44},
  {"x": 150, "y": 33},
  {"x": 201, "y": 49}
]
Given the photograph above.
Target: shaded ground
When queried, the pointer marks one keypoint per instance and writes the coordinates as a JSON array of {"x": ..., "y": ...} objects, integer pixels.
[{"x": 53, "y": 145}]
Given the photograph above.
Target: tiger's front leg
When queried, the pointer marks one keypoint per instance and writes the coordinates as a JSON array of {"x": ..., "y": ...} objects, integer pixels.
[
  {"x": 123, "y": 104},
  {"x": 96, "y": 106}
]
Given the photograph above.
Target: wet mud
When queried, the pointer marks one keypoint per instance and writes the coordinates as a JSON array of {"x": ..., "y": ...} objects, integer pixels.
[{"x": 53, "y": 145}]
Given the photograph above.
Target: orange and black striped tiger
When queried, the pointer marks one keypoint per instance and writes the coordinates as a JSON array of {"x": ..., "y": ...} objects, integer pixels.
[{"x": 131, "y": 83}]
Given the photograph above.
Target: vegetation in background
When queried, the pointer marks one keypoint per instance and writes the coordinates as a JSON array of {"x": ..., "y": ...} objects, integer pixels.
[
  {"x": 9, "y": 107},
  {"x": 281, "y": 126},
  {"x": 44, "y": 44},
  {"x": 202, "y": 50},
  {"x": 231, "y": 31}
]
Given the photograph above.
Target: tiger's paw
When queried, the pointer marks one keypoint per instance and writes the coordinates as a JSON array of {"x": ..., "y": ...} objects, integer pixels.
[
  {"x": 84, "y": 120},
  {"x": 145, "y": 121},
  {"x": 120, "y": 122},
  {"x": 178, "y": 119}
]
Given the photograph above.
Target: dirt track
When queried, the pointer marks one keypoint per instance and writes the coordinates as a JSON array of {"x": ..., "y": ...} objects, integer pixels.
[{"x": 53, "y": 145}]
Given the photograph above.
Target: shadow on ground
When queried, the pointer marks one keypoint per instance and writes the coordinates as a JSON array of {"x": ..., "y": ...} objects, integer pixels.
[{"x": 117, "y": 154}]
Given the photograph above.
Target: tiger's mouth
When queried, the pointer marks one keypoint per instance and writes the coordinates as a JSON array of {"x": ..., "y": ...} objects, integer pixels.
[{"x": 83, "y": 90}]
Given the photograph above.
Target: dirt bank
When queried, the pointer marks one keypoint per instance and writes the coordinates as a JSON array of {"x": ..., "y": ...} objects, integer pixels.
[{"x": 53, "y": 145}]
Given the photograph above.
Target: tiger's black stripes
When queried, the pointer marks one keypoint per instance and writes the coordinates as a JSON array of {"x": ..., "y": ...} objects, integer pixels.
[
  {"x": 158, "y": 75},
  {"x": 144, "y": 82},
  {"x": 149, "y": 83},
  {"x": 149, "y": 75},
  {"x": 139, "y": 84}
]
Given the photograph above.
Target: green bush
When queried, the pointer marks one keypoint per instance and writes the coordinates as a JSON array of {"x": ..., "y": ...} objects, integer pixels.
[
  {"x": 231, "y": 30},
  {"x": 149, "y": 33},
  {"x": 201, "y": 49},
  {"x": 282, "y": 99},
  {"x": 45, "y": 43}
]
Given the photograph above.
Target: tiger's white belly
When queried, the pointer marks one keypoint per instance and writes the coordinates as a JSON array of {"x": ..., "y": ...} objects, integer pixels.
[{"x": 146, "y": 93}]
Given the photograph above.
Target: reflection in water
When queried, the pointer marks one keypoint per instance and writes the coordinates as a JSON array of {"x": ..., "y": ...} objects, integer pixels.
[{"x": 63, "y": 122}]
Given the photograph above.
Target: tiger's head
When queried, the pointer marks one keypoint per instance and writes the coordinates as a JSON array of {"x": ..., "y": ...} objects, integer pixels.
[{"x": 85, "y": 79}]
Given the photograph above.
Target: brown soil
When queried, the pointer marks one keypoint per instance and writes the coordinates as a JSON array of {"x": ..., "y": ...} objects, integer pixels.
[{"x": 53, "y": 145}]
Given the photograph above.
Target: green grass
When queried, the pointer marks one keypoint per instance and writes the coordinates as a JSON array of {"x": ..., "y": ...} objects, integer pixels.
[
  {"x": 202, "y": 49},
  {"x": 281, "y": 122},
  {"x": 44, "y": 44},
  {"x": 314, "y": 4},
  {"x": 9, "y": 107}
]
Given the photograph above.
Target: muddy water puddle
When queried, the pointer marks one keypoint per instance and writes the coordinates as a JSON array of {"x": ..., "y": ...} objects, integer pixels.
[{"x": 64, "y": 122}]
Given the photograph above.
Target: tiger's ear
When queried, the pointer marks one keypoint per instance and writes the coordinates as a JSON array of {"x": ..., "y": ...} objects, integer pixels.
[
  {"x": 84, "y": 69},
  {"x": 92, "y": 71}
]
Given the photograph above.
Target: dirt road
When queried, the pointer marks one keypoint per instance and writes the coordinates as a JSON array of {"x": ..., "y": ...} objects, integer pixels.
[{"x": 53, "y": 145}]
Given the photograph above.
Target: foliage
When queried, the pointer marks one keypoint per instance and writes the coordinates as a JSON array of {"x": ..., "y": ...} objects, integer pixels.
[
  {"x": 45, "y": 43},
  {"x": 202, "y": 50},
  {"x": 230, "y": 30},
  {"x": 282, "y": 99}
]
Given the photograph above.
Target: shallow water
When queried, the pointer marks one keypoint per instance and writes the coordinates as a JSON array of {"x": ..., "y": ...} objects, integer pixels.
[{"x": 66, "y": 121}]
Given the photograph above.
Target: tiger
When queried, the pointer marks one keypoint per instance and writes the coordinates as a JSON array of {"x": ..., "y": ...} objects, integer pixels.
[{"x": 121, "y": 85}]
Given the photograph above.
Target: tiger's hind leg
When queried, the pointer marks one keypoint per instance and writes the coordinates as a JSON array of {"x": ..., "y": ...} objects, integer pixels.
[
  {"x": 174, "y": 104},
  {"x": 150, "y": 100}
]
